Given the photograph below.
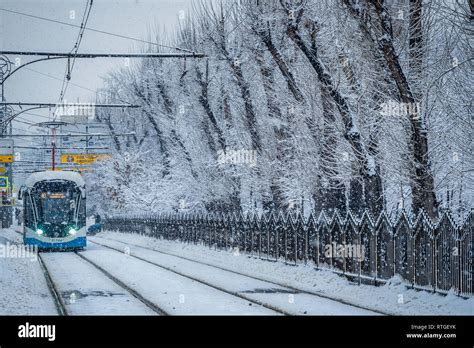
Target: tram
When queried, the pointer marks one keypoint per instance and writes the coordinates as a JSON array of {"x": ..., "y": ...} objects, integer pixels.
[{"x": 54, "y": 210}]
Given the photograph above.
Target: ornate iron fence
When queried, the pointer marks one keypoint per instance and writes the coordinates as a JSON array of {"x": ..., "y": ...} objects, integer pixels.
[{"x": 428, "y": 255}]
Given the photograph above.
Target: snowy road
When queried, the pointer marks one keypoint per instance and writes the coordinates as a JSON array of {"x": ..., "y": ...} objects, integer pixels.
[{"x": 113, "y": 278}]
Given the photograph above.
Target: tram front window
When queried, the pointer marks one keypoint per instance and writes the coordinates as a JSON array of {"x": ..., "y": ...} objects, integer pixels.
[
  {"x": 56, "y": 204},
  {"x": 56, "y": 208}
]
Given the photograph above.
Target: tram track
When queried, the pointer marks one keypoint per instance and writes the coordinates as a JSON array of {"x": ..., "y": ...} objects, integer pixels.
[
  {"x": 154, "y": 307},
  {"x": 232, "y": 293},
  {"x": 131, "y": 291},
  {"x": 55, "y": 294},
  {"x": 295, "y": 289},
  {"x": 136, "y": 294},
  {"x": 58, "y": 299}
]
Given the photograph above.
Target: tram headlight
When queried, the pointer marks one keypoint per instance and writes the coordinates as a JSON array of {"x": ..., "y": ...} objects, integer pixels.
[
  {"x": 72, "y": 231},
  {"x": 39, "y": 232}
]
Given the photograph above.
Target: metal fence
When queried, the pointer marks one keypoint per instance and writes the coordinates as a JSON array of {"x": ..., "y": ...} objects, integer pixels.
[{"x": 435, "y": 256}]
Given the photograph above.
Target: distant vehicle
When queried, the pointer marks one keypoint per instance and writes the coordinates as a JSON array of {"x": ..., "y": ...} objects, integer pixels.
[
  {"x": 54, "y": 210},
  {"x": 97, "y": 227}
]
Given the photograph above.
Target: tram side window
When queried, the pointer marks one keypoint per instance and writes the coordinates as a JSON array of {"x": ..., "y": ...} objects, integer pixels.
[
  {"x": 28, "y": 211},
  {"x": 81, "y": 213}
]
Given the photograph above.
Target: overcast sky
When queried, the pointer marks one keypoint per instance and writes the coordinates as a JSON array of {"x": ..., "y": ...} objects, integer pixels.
[{"x": 135, "y": 18}]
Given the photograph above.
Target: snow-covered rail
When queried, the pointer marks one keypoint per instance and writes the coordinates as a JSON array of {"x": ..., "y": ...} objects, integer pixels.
[
  {"x": 135, "y": 294},
  {"x": 113, "y": 277},
  {"x": 217, "y": 287},
  {"x": 61, "y": 270},
  {"x": 85, "y": 289},
  {"x": 88, "y": 284},
  {"x": 279, "y": 297},
  {"x": 57, "y": 299}
]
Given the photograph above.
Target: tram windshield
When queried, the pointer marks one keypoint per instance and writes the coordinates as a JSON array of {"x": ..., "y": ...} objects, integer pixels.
[
  {"x": 56, "y": 202},
  {"x": 54, "y": 208}
]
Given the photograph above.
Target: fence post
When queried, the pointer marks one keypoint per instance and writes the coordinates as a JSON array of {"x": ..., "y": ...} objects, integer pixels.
[{"x": 459, "y": 253}]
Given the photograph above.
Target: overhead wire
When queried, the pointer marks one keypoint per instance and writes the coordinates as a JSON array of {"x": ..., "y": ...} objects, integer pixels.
[
  {"x": 74, "y": 50},
  {"x": 97, "y": 30}
]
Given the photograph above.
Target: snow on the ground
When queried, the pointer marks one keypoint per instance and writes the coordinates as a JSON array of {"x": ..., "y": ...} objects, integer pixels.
[
  {"x": 87, "y": 291},
  {"x": 23, "y": 288},
  {"x": 10, "y": 234},
  {"x": 392, "y": 298},
  {"x": 282, "y": 298},
  {"x": 175, "y": 294}
]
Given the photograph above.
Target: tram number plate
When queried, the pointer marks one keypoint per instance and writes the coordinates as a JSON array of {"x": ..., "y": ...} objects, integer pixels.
[{"x": 56, "y": 240}]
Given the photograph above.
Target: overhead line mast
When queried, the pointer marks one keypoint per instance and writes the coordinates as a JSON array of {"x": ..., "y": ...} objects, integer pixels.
[{"x": 67, "y": 55}]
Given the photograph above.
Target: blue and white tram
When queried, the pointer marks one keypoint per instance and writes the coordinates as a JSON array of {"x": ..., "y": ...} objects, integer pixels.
[{"x": 54, "y": 210}]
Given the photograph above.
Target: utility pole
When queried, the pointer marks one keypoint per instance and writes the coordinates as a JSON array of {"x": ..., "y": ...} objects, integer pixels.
[
  {"x": 5, "y": 68},
  {"x": 53, "y": 131},
  {"x": 87, "y": 138}
]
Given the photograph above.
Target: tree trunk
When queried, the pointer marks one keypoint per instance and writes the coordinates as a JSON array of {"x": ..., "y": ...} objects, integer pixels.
[
  {"x": 204, "y": 101},
  {"x": 280, "y": 132},
  {"x": 250, "y": 117},
  {"x": 160, "y": 139},
  {"x": 365, "y": 165},
  {"x": 331, "y": 189},
  {"x": 421, "y": 176}
]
